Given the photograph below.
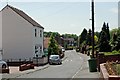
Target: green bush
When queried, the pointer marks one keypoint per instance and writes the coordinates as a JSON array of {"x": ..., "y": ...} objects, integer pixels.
[{"x": 112, "y": 53}]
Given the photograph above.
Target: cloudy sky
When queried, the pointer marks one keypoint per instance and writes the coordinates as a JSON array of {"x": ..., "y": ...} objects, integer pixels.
[{"x": 68, "y": 16}]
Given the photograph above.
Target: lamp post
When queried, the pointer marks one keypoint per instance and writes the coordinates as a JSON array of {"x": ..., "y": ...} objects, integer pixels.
[
  {"x": 92, "y": 62},
  {"x": 93, "y": 28}
]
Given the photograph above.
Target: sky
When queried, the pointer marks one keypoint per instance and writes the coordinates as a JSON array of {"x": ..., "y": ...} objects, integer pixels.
[{"x": 68, "y": 16}]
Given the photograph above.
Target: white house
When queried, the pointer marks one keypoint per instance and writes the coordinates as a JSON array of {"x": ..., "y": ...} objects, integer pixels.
[{"x": 20, "y": 36}]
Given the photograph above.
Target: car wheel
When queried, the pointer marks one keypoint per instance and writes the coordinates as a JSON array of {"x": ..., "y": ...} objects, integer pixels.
[
  {"x": 60, "y": 62},
  {"x": 4, "y": 66}
]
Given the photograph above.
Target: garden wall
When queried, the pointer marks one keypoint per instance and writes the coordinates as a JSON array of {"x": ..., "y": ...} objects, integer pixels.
[
  {"x": 101, "y": 58},
  {"x": 104, "y": 74}
]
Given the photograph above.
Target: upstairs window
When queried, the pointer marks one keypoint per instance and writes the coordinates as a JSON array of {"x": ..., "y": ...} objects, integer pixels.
[
  {"x": 40, "y": 33},
  {"x": 35, "y": 32}
]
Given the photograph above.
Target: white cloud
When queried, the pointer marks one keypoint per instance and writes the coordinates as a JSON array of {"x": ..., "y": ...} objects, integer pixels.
[{"x": 114, "y": 10}]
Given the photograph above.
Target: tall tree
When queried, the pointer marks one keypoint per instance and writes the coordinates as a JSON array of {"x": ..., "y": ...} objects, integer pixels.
[
  {"x": 104, "y": 27},
  {"x": 83, "y": 36},
  {"x": 53, "y": 47},
  {"x": 89, "y": 38},
  {"x": 104, "y": 39},
  {"x": 103, "y": 43},
  {"x": 107, "y": 32}
]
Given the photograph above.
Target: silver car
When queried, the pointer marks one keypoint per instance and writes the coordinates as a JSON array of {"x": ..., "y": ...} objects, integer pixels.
[
  {"x": 3, "y": 64},
  {"x": 55, "y": 59}
]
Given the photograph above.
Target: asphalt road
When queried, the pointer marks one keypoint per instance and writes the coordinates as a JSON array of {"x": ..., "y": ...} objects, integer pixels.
[
  {"x": 74, "y": 66},
  {"x": 71, "y": 65}
]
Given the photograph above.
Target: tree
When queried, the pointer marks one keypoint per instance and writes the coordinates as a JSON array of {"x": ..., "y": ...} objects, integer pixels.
[
  {"x": 107, "y": 32},
  {"x": 89, "y": 38},
  {"x": 104, "y": 27},
  {"x": 53, "y": 47},
  {"x": 104, "y": 39},
  {"x": 116, "y": 40},
  {"x": 95, "y": 39},
  {"x": 83, "y": 36},
  {"x": 112, "y": 32},
  {"x": 103, "y": 42}
]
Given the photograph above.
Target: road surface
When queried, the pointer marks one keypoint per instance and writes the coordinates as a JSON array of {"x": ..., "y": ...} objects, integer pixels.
[{"x": 74, "y": 66}]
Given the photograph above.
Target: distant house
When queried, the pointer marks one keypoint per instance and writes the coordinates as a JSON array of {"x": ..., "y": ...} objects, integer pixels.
[
  {"x": 46, "y": 42},
  {"x": 20, "y": 36},
  {"x": 60, "y": 40},
  {"x": 69, "y": 41}
]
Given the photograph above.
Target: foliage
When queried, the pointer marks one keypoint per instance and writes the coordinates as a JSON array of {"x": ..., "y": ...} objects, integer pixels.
[
  {"x": 48, "y": 34},
  {"x": 97, "y": 34},
  {"x": 105, "y": 29},
  {"x": 113, "y": 31},
  {"x": 53, "y": 47},
  {"x": 112, "y": 53},
  {"x": 95, "y": 39},
  {"x": 83, "y": 36},
  {"x": 115, "y": 41},
  {"x": 117, "y": 68},
  {"x": 108, "y": 32},
  {"x": 89, "y": 38},
  {"x": 104, "y": 41}
]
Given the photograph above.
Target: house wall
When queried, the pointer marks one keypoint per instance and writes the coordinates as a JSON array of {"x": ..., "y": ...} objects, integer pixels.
[
  {"x": 0, "y": 30},
  {"x": 0, "y": 34},
  {"x": 38, "y": 41},
  {"x": 17, "y": 36}
]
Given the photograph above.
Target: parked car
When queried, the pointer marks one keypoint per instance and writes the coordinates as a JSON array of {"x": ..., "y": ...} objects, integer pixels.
[
  {"x": 3, "y": 64},
  {"x": 63, "y": 50},
  {"x": 55, "y": 59}
]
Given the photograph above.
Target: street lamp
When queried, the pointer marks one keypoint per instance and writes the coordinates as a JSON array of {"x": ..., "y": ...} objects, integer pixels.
[
  {"x": 93, "y": 28},
  {"x": 92, "y": 62}
]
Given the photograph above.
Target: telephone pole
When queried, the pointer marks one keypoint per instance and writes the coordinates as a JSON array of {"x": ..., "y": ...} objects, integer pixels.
[{"x": 93, "y": 28}]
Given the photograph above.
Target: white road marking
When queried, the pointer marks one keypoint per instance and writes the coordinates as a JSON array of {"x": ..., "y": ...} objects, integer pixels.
[
  {"x": 76, "y": 73},
  {"x": 78, "y": 70},
  {"x": 68, "y": 60}
]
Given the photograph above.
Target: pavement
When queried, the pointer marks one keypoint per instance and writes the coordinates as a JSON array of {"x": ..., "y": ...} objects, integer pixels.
[{"x": 82, "y": 72}]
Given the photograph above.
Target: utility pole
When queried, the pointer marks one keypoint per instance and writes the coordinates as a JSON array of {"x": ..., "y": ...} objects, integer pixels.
[{"x": 93, "y": 28}]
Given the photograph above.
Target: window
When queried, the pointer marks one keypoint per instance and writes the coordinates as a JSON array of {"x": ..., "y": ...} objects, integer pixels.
[
  {"x": 35, "y": 32},
  {"x": 40, "y": 33},
  {"x": 40, "y": 49},
  {"x": 36, "y": 49}
]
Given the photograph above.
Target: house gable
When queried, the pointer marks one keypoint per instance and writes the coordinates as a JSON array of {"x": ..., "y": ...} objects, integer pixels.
[{"x": 24, "y": 15}]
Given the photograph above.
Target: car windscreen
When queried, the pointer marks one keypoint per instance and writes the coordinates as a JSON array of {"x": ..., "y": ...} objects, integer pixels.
[{"x": 54, "y": 57}]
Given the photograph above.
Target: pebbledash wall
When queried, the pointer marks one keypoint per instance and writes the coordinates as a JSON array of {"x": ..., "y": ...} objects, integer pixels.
[
  {"x": 18, "y": 36},
  {"x": 0, "y": 34}
]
